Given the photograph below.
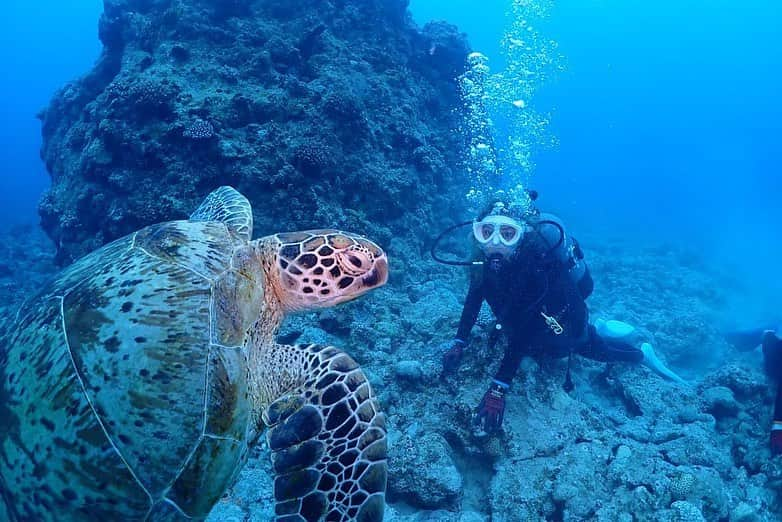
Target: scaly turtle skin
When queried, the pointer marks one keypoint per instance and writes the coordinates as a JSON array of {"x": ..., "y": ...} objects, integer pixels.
[{"x": 132, "y": 386}]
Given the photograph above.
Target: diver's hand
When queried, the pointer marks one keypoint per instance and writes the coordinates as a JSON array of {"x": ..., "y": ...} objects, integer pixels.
[
  {"x": 452, "y": 357},
  {"x": 776, "y": 439},
  {"x": 491, "y": 409}
]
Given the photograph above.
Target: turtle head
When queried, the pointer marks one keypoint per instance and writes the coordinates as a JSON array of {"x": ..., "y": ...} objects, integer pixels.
[{"x": 322, "y": 268}]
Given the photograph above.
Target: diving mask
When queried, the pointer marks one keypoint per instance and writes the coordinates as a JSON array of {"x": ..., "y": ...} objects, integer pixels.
[{"x": 498, "y": 230}]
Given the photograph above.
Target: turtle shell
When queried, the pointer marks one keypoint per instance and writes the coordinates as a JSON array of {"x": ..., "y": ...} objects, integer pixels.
[{"x": 123, "y": 384}]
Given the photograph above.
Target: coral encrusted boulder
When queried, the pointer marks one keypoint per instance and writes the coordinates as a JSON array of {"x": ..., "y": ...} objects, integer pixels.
[{"x": 323, "y": 112}]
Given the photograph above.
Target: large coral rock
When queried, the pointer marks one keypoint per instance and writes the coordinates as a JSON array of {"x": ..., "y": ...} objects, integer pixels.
[
  {"x": 323, "y": 112},
  {"x": 422, "y": 472}
]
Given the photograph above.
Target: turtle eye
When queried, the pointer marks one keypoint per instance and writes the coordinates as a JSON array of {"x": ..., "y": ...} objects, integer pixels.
[{"x": 354, "y": 262}]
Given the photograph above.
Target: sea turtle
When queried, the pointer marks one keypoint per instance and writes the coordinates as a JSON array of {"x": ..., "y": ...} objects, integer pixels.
[{"x": 134, "y": 383}]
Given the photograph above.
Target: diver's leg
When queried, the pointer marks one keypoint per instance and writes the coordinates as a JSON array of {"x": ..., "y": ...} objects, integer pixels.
[
  {"x": 776, "y": 425},
  {"x": 772, "y": 361},
  {"x": 605, "y": 349},
  {"x": 598, "y": 348},
  {"x": 772, "y": 355},
  {"x": 745, "y": 340}
]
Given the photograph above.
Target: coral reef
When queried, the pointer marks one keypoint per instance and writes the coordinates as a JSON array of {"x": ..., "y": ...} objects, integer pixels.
[
  {"x": 422, "y": 471},
  {"x": 26, "y": 262},
  {"x": 323, "y": 112}
]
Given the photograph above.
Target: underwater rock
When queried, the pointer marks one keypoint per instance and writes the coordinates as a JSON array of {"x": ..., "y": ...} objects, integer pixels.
[
  {"x": 334, "y": 323},
  {"x": 422, "y": 473},
  {"x": 703, "y": 487},
  {"x": 409, "y": 371},
  {"x": 720, "y": 402},
  {"x": 226, "y": 511},
  {"x": 252, "y": 497},
  {"x": 26, "y": 262},
  {"x": 686, "y": 512},
  {"x": 743, "y": 512},
  {"x": 439, "y": 515},
  {"x": 513, "y": 498},
  {"x": 742, "y": 382},
  {"x": 346, "y": 95}
]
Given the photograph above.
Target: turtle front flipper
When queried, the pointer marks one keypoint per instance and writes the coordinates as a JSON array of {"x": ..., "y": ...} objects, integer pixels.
[
  {"x": 328, "y": 442},
  {"x": 228, "y": 206}
]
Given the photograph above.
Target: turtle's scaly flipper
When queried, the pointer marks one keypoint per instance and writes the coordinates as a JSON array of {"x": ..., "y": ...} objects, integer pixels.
[
  {"x": 228, "y": 206},
  {"x": 328, "y": 442}
]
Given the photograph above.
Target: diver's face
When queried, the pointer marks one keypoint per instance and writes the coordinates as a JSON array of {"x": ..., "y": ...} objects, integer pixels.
[
  {"x": 498, "y": 236},
  {"x": 497, "y": 251}
]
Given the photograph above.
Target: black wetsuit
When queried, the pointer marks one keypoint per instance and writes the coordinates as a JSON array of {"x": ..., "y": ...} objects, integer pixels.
[
  {"x": 772, "y": 359},
  {"x": 532, "y": 281}
]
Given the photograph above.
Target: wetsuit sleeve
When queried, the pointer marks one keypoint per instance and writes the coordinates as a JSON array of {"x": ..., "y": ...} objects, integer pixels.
[
  {"x": 472, "y": 306},
  {"x": 778, "y": 404},
  {"x": 585, "y": 283},
  {"x": 511, "y": 361}
]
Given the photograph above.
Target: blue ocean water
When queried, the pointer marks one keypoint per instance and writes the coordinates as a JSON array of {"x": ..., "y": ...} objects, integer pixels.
[
  {"x": 42, "y": 46},
  {"x": 669, "y": 121}
]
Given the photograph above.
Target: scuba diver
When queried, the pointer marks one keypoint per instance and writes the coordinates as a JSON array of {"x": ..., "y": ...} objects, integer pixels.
[
  {"x": 534, "y": 277},
  {"x": 772, "y": 363}
]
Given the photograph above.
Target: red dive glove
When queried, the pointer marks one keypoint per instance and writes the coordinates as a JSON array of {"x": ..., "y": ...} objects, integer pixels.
[
  {"x": 491, "y": 410},
  {"x": 776, "y": 438}
]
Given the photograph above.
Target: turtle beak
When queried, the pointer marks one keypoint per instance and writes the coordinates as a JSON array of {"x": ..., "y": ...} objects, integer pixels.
[{"x": 375, "y": 278}]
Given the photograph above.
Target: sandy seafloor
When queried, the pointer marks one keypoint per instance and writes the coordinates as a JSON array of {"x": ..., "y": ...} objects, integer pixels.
[{"x": 623, "y": 446}]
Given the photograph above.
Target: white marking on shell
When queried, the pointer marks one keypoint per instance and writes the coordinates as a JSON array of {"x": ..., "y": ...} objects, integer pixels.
[
  {"x": 217, "y": 437},
  {"x": 179, "y": 509}
]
